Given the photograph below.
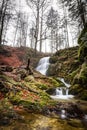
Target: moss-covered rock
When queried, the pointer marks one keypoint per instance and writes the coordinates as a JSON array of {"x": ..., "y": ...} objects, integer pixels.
[
  {"x": 81, "y": 76},
  {"x": 82, "y": 41},
  {"x": 75, "y": 89},
  {"x": 82, "y": 53},
  {"x": 64, "y": 62},
  {"x": 72, "y": 75},
  {"x": 29, "y": 78},
  {"x": 79, "y": 84},
  {"x": 53, "y": 59},
  {"x": 28, "y": 92}
]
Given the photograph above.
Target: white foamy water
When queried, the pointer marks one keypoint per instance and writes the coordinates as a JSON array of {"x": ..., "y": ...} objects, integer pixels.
[
  {"x": 62, "y": 97},
  {"x": 43, "y": 65},
  {"x": 62, "y": 92}
]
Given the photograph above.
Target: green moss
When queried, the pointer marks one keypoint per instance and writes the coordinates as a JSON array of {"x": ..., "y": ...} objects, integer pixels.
[
  {"x": 72, "y": 75},
  {"x": 44, "y": 96},
  {"x": 82, "y": 52},
  {"x": 83, "y": 95},
  {"x": 14, "y": 98},
  {"x": 42, "y": 86},
  {"x": 84, "y": 72},
  {"x": 82, "y": 41},
  {"x": 53, "y": 59},
  {"x": 51, "y": 70},
  {"x": 29, "y": 79},
  {"x": 81, "y": 35},
  {"x": 27, "y": 104},
  {"x": 82, "y": 76},
  {"x": 8, "y": 79},
  {"x": 83, "y": 80},
  {"x": 75, "y": 89}
]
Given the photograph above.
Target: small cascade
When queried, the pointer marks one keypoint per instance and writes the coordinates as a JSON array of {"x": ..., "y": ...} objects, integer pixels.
[
  {"x": 63, "y": 114},
  {"x": 43, "y": 65},
  {"x": 59, "y": 91},
  {"x": 62, "y": 92},
  {"x": 66, "y": 84},
  {"x": 67, "y": 91}
]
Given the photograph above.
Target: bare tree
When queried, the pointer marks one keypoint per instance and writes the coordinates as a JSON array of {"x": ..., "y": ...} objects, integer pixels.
[
  {"x": 32, "y": 34},
  {"x": 3, "y": 10},
  {"x": 21, "y": 29},
  {"x": 6, "y": 10},
  {"x": 37, "y": 5}
]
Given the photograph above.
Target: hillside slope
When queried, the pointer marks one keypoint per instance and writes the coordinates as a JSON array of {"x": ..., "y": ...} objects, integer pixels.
[
  {"x": 17, "y": 56},
  {"x": 64, "y": 62},
  {"x": 71, "y": 64}
]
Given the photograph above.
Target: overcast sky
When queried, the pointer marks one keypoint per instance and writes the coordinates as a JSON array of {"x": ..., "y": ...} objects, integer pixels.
[{"x": 24, "y": 7}]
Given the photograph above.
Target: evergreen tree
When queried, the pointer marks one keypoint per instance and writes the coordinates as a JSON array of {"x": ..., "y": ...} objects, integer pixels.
[{"x": 77, "y": 9}]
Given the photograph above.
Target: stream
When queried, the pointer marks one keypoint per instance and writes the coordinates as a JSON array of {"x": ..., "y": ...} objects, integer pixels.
[
  {"x": 62, "y": 95},
  {"x": 62, "y": 92},
  {"x": 39, "y": 122},
  {"x": 65, "y": 119}
]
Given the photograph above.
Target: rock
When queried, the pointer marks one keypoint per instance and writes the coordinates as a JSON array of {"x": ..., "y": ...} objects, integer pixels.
[
  {"x": 6, "y": 68},
  {"x": 75, "y": 123},
  {"x": 22, "y": 72},
  {"x": 29, "y": 78},
  {"x": 51, "y": 91},
  {"x": 4, "y": 121},
  {"x": 9, "y": 69}
]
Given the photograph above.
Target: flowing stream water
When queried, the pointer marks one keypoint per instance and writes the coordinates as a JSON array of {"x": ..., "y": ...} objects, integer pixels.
[
  {"x": 63, "y": 92},
  {"x": 42, "y": 67},
  {"x": 33, "y": 121}
]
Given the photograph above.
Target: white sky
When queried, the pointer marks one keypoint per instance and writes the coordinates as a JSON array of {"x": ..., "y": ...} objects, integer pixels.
[{"x": 24, "y": 7}]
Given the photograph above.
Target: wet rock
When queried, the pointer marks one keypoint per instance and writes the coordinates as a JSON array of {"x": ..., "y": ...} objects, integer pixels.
[
  {"x": 51, "y": 91},
  {"x": 75, "y": 123},
  {"x": 4, "y": 121},
  {"x": 64, "y": 111}
]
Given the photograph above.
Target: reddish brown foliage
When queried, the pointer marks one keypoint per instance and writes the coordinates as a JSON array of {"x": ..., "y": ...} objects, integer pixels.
[{"x": 15, "y": 57}]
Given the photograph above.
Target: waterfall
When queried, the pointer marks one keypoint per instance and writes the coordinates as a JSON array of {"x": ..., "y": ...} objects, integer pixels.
[
  {"x": 66, "y": 84},
  {"x": 62, "y": 92},
  {"x": 43, "y": 65},
  {"x": 59, "y": 91}
]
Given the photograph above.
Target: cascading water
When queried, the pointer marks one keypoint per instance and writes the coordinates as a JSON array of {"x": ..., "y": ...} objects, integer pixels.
[
  {"x": 62, "y": 92},
  {"x": 43, "y": 65}
]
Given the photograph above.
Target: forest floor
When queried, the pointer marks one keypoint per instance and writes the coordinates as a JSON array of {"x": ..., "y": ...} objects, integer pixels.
[
  {"x": 22, "y": 91},
  {"x": 18, "y": 56}
]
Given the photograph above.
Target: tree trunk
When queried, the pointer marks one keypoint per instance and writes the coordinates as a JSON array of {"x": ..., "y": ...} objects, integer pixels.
[
  {"x": 2, "y": 18},
  {"x": 37, "y": 28},
  {"x": 41, "y": 31},
  {"x": 81, "y": 9}
]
